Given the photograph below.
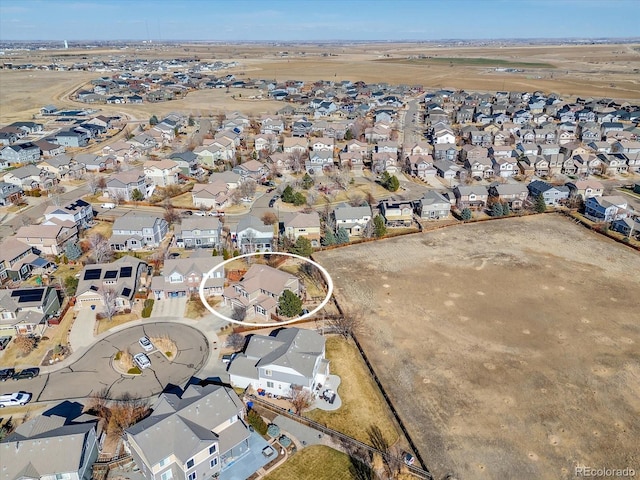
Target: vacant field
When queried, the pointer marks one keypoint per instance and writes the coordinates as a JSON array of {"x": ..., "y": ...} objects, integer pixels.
[
  {"x": 581, "y": 70},
  {"x": 510, "y": 348}
]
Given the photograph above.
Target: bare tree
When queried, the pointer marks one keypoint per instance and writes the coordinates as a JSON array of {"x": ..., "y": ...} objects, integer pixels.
[
  {"x": 126, "y": 411},
  {"x": 368, "y": 231},
  {"x": 100, "y": 248},
  {"x": 248, "y": 187},
  {"x": 235, "y": 341},
  {"x": 357, "y": 200},
  {"x": 312, "y": 197},
  {"x": 296, "y": 160},
  {"x": 391, "y": 457},
  {"x": 92, "y": 183},
  {"x": 109, "y": 296},
  {"x": 301, "y": 399},
  {"x": 239, "y": 313},
  {"x": 348, "y": 324},
  {"x": 269, "y": 218},
  {"x": 171, "y": 215},
  {"x": 25, "y": 343}
]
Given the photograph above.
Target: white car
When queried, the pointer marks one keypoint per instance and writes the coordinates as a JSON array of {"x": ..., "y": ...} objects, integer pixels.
[
  {"x": 146, "y": 344},
  {"x": 200, "y": 213},
  {"x": 14, "y": 399},
  {"x": 142, "y": 360}
]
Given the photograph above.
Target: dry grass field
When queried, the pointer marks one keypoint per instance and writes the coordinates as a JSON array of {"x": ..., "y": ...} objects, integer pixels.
[
  {"x": 510, "y": 348},
  {"x": 578, "y": 70}
]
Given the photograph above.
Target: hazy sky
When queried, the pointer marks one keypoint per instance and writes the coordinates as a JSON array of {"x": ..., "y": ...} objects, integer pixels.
[{"x": 306, "y": 20}]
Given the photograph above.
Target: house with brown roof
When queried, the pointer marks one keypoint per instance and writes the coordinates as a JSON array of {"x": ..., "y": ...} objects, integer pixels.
[
  {"x": 259, "y": 289},
  {"x": 161, "y": 173},
  {"x": 18, "y": 260},
  {"x": 181, "y": 277},
  {"x": 298, "y": 224},
  {"x": 49, "y": 239}
]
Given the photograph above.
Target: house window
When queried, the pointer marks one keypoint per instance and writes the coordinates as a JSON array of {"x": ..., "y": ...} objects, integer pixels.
[
  {"x": 260, "y": 310},
  {"x": 269, "y": 384},
  {"x": 190, "y": 463},
  {"x": 213, "y": 462},
  {"x": 168, "y": 475},
  {"x": 268, "y": 373},
  {"x": 212, "y": 449},
  {"x": 164, "y": 462},
  {"x": 193, "y": 476}
]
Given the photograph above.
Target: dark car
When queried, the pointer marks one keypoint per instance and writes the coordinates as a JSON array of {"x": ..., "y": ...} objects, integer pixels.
[
  {"x": 4, "y": 341},
  {"x": 272, "y": 202},
  {"x": 26, "y": 373},
  {"x": 187, "y": 212},
  {"x": 6, "y": 374}
]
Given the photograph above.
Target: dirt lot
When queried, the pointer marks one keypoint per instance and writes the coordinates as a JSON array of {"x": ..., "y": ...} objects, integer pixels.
[
  {"x": 510, "y": 348},
  {"x": 586, "y": 70}
]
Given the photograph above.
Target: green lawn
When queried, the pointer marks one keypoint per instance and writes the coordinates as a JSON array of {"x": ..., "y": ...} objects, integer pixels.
[
  {"x": 317, "y": 462},
  {"x": 362, "y": 402},
  {"x": 467, "y": 62}
]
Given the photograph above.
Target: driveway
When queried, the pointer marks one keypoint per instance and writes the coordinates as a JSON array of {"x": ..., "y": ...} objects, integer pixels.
[
  {"x": 93, "y": 371},
  {"x": 169, "y": 307}
]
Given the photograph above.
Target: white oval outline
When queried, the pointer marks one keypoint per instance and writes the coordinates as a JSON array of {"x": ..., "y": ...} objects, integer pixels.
[{"x": 206, "y": 276}]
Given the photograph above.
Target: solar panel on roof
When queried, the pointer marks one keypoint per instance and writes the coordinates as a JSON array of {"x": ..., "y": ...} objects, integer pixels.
[
  {"x": 111, "y": 274},
  {"x": 126, "y": 291},
  {"x": 30, "y": 295},
  {"x": 92, "y": 274},
  {"x": 125, "y": 272}
]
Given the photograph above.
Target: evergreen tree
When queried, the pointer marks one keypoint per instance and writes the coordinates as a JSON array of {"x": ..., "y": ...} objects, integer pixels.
[
  {"x": 72, "y": 251},
  {"x": 497, "y": 210},
  {"x": 466, "y": 214},
  {"x": 329, "y": 238},
  {"x": 379, "y": 228},
  {"x": 288, "y": 194},
  {"x": 342, "y": 236},
  {"x": 394, "y": 184},
  {"x": 540, "y": 206},
  {"x": 506, "y": 209},
  {"x": 307, "y": 181},
  {"x": 153, "y": 120},
  {"x": 136, "y": 195},
  {"x": 302, "y": 247},
  {"x": 289, "y": 304}
]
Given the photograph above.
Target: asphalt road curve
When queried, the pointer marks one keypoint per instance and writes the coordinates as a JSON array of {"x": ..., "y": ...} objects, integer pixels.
[{"x": 93, "y": 371}]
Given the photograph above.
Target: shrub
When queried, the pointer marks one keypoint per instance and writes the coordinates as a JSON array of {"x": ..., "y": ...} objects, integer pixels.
[
  {"x": 148, "y": 306},
  {"x": 134, "y": 371},
  {"x": 168, "y": 354},
  {"x": 256, "y": 421},
  {"x": 118, "y": 356}
]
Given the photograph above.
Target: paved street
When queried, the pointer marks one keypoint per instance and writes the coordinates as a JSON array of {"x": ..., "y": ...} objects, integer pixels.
[{"x": 93, "y": 371}]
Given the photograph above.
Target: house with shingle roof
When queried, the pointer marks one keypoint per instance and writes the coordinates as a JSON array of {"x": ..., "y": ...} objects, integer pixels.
[
  {"x": 198, "y": 232},
  {"x": 134, "y": 231},
  {"x": 352, "y": 219},
  {"x": 276, "y": 363},
  {"x": 181, "y": 277},
  {"x": 24, "y": 311},
  {"x": 51, "y": 446},
  {"x": 298, "y": 224},
  {"x": 259, "y": 289},
  {"x": 252, "y": 235},
  {"x": 49, "y": 239},
  {"x": 198, "y": 433}
]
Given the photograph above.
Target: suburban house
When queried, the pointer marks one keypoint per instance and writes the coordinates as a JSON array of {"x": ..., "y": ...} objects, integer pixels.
[
  {"x": 71, "y": 138},
  {"x": 181, "y": 277},
  {"x": 25, "y": 311},
  {"x": 552, "y": 195},
  {"x": 161, "y": 173},
  {"x": 120, "y": 280},
  {"x": 627, "y": 226},
  {"x": 198, "y": 232},
  {"x": 20, "y": 153},
  {"x": 433, "y": 206},
  {"x": 121, "y": 185},
  {"x": 606, "y": 209},
  {"x": 52, "y": 446},
  {"x": 515, "y": 194},
  {"x": 63, "y": 167},
  {"x": 252, "y": 235},
  {"x": 30, "y": 177},
  {"x": 396, "y": 213},
  {"x": 210, "y": 195},
  {"x": 95, "y": 163},
  {"x": 252, "y": 169},
  {"x": 586, "y": 188},
  {"x": 319, "y": 161},
  {"x": 18, "y": 260},
  {"x": 353, "y": 219},
  {"x": 78, "y": 212},
  {"x": 295, "y": 144},
  {"x": 384, "y": 162},
  {"x": 298, "y": 224},
  {"x": 134, "y": 231},
  {"x": 10, "y": 194},
  {"x": 196, "y": 434},
  {"x": 353, "y": 161},
  {"x": 471, "y": 196},
  {"x": 258, "y": 291},
  {"x": 49, "y": 239},
  {"x": 290, "y": 357}
]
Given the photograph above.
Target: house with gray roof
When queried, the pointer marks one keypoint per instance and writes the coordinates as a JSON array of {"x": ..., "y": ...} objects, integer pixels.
[
  {"x": 121, "y": 278},
  {"x": 199, "y": 433},
  {"x": 515, "y": 194},
  {"x": 181, "y": 277},
  {"x": 77, "y": 211},
  {"x": 276, "y": 363},
  {"x": 134, "y": 231},
  {"x": 51, "y": 446},
  {"x": 252, "y": 235},
  {"x": 352, "y": 219},
  {"x": 553, "y": 195},
  {"x": 198, "y": 232},
  {"x": 471, "y": 196},
  {"x": 258, "y": 291},
  {"x": 9, "y": 193},
  {"x": 434, "y": 206},
  {"x": 20, "y": 153},
  {"x": 24, "y": 311},
  {"x": 18, "y": 260}
]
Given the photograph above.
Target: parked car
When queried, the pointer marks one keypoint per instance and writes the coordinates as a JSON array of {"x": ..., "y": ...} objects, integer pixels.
[
  {"x": 108, "y": 206},
  {"x": 146, "y": 344},
  {"x": 14, "y": 399},
  {"x": 4, "y": 341},
  {"x": 142, "y": 360},
  {"x": 26, "y": 373},
  {"x": 247, "y": 199},
  {"x": 200, "y": 213},
  {"x": 6, "y": 374},
  {"x": 408, "y": 458},
  {"x": 216, "y": 214},
  {"x": 187, "y": 213}
]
